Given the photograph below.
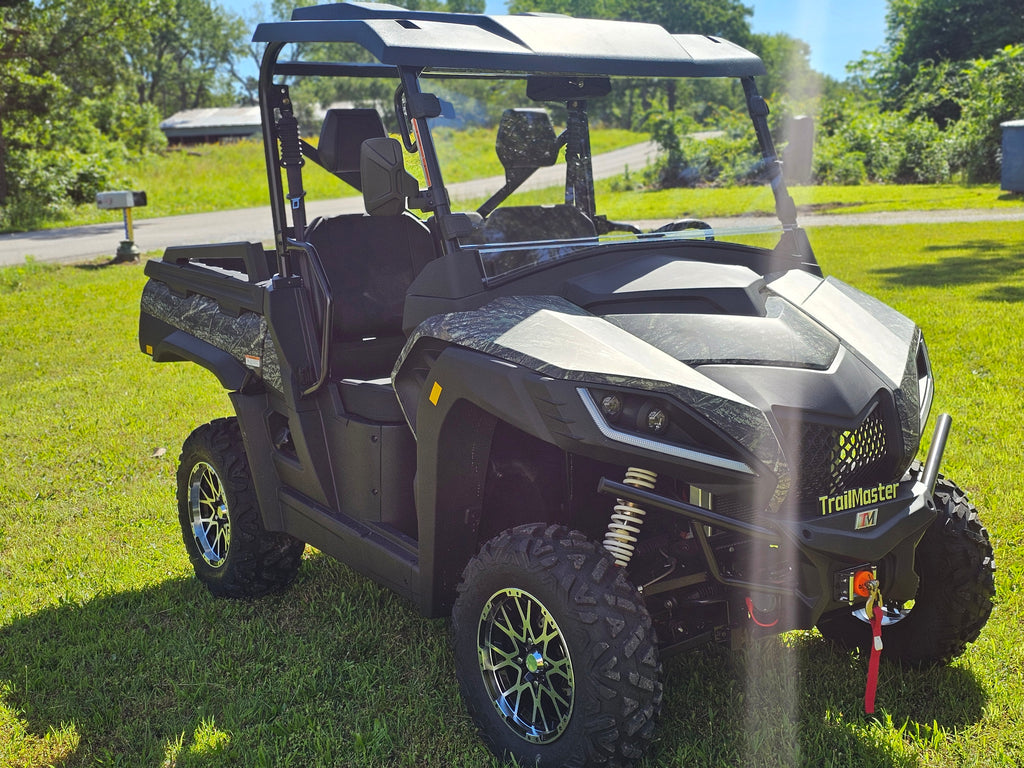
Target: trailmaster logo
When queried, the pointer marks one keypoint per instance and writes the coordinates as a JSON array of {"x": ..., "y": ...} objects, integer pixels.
[{"x": 858, "y": 497}]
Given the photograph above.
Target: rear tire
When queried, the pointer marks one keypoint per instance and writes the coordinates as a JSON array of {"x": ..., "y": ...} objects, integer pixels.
[
  {"x": 554, "y": 651},
  {"x": 231, "y": 552},
  {"x": 954, "y": 599}
]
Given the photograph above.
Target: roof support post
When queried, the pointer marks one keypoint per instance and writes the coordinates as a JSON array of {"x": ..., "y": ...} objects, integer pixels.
[{"x": 579, "y": 191}]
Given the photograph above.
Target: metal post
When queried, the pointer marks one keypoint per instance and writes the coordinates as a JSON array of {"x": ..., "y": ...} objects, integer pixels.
[{"x": 127, "y": 250}]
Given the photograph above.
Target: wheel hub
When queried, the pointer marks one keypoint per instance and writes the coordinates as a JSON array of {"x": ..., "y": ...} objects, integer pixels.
[
  {"x": 534, "y": 662},
  {"x": 525, "y": 664}
]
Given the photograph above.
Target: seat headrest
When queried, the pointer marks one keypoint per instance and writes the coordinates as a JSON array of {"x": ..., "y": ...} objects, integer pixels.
[{"x": 343, "y": 133}]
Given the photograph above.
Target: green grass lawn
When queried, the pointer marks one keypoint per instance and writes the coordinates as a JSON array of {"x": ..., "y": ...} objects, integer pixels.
[
  {"x": 206, "y": 178},
  {"x": 220, "y": 177},
  {"x": 112, "y": 654},
  {"x": 868, "y": 198}
]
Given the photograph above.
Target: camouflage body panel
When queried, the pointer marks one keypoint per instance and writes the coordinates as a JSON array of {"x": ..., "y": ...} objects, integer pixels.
[
  {"x": 799, "y": 329},
  {"x": 202, "y": 317}
]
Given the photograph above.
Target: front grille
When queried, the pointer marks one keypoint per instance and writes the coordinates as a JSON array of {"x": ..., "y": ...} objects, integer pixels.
[{"x": 826, "y": 461}]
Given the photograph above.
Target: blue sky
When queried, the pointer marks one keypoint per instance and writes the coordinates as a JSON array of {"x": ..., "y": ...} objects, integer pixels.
[{"x": 837, "y": 30}]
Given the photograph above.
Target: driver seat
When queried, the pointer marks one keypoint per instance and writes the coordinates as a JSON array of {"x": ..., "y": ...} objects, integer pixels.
[{"x": 369, "y": 260}]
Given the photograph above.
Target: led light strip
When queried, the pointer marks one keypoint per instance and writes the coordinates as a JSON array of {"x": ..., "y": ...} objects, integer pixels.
[
  {"x": 925, "y": 385},
  {"x": 658, "y": 447}
]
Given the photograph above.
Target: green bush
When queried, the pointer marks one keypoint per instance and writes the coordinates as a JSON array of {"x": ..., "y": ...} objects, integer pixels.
[
  {"x": 989, "y": 91},
  {"x": 55, "y": 164},
  {"x": 122, "y": 119},
  {"x": 832, "y": 166},
  {"x": 722, "y": 150},
  {"x": 948, "y": 125},
  {"x": 910, "y": 152},
  {"x": 858, "y": 142}
]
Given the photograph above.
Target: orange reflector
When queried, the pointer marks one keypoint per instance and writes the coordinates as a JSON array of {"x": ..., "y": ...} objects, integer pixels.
[
  {"x": 435, "y": 393},
  {"x": 860, "y": 582}
]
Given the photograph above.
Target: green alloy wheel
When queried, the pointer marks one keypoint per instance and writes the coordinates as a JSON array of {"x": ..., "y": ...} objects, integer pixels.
[
  {"x": 525, "y": 665},
  {"x": 208, "y": 513},
  {"x": 554, "y": 651}
]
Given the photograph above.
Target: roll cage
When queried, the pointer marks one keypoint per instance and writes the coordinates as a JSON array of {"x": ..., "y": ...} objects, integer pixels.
[{"x": 562, "y": 59}]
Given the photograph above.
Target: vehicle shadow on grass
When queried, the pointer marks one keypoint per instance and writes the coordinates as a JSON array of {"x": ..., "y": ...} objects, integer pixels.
[
  {"x": 800, "y": 701},
  {"x": 114, "y": 261},
  {"x": 338, "y": 671},
  {"x": 333, "y": 671},
  {"x": 980, "y": 262}
]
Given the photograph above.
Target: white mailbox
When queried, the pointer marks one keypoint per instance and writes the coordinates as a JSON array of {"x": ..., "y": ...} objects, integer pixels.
[
  {"x": 113, "y": 200},
  {"x": 124, "y": 201}
]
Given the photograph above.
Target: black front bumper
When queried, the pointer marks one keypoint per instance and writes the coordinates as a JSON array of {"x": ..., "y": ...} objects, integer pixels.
[{"x": 882, "y": 536}]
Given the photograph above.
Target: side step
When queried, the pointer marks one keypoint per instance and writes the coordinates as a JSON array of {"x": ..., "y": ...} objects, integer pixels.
[{"x": 388, "y": 557}]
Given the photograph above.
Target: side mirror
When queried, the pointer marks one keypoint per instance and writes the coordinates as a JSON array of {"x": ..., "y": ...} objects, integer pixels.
[
  {"x": 526, "y": 139},
  {"x": 386, "y": 184}
]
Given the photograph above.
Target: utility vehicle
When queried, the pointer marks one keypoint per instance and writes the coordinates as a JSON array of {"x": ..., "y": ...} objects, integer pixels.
[{"x": 592, "y": 442}]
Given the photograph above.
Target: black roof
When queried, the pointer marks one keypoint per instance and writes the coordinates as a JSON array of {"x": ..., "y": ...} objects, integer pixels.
[{"x": 532, "y": 43}]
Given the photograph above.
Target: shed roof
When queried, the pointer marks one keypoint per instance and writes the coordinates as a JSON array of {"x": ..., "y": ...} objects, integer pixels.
[{"x": 221, "y": 121}]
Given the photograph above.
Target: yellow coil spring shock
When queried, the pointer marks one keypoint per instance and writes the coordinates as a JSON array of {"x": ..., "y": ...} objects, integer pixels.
[{"x": 627, "y": 518}]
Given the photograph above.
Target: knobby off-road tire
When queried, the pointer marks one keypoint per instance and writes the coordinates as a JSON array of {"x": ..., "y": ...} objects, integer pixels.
[
  {"x": 231, "y": 552},
  {"x": 554, "y": 651},
  {"x": 954, "y": 599}
]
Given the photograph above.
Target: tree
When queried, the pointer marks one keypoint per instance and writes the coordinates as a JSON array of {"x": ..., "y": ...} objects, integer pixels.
[
  {"x": 80, "y": 82},
  {"x": 185, "y": 60},
  {"x": 929, "y": 32},
  {"x": 48, "y": 54},
  {"x": 953, "y": 30}
]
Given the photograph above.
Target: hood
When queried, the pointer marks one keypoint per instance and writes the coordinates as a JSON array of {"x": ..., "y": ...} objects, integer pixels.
[{"x": 827, "y": 364}]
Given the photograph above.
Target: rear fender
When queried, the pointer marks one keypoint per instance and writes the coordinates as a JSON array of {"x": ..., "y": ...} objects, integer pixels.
[
  {"x": 165, "y": 344},
  {"x": 182, "y": 325}
]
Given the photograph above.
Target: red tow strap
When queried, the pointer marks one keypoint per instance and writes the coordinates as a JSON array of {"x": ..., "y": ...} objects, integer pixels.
[{"x": 875, "y": 610}]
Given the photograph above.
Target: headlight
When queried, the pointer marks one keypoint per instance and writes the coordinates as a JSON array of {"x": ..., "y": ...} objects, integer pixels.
[
  {"x": 611, "y": 406},
  {"x": 644, "y": 421}
]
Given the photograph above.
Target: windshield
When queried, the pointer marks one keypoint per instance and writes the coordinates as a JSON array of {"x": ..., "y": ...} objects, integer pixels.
[{"x": 546, "y": 177}]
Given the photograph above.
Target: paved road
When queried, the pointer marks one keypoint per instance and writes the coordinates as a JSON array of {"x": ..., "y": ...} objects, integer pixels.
[
  {"x": 91, "y": 241},
  {"x": 94, "y": 240}
]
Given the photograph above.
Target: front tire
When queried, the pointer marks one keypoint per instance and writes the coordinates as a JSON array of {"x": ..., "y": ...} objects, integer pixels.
[
  {"x": 554, "y": 651},
  {"x": 231, "y": 552},
  {"x": 956, "y": 567}
]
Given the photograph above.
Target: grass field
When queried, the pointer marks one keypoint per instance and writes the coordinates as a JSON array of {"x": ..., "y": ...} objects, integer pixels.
[
  {"x": 224, "y": 177},
  {"x": 112, "y": 654},
  {"x": 219, "y": 177}
]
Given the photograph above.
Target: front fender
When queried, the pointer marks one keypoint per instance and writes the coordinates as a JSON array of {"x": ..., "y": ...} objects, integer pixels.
[{"x": 557, "y": 339}]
